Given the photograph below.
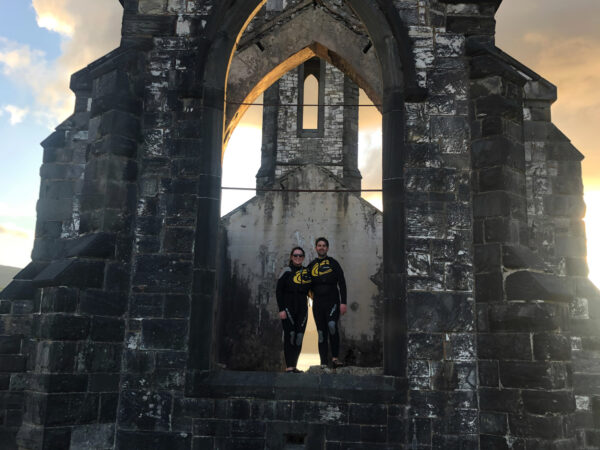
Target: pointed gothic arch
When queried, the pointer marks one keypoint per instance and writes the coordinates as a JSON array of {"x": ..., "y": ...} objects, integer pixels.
[{"x": 393, "y": 48}]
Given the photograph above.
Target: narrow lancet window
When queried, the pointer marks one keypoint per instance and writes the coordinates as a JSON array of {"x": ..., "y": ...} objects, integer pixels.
[{"x": 310, "y": 113}]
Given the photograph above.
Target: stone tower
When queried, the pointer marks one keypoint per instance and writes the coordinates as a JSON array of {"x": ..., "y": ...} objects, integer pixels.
[
  {"x": 490, "y": 327},
  {"x": 332, "y": 143}
]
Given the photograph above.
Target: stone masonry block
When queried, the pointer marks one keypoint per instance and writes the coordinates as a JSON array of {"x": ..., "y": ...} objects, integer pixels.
[
  {"x": 12, "y": 363},
  {"x": 18, "y": 290},
  {"x": 534, "y": 375},
  {"x": 98, "y": 436},
  {"x": 488, "y": 287},
  {"x": 540, "y": 402},
  {"x": 10, "y": 345},
  {"x": 520, "y": 257},
  {"x": 526, "y": 285},
  {"x": 162, "y": 273},
  {"x": 98, "y": 245},
  {"x": 103, "y": 303},
  {"x": 513, "y": 346},
  {"x": 527, "y": 317},
  {"x": 368, "y": 414},
  {"x": 433, "y": 312},
  {"x": 497, "y": 151},
  {"x": 150, "y": 412},
  {"x": 61, "y": 327},
  {"x": 72, "y": 272},
  {"x": 58, "y": 299},
  {"x": 531, "y": 426},
  {"x": 61, "y": 408},
  {"x": 551, "y": 346},
  {"x": 164, "y": 333}
]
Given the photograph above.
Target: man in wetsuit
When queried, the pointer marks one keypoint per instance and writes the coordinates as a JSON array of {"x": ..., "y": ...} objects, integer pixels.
[{"x": 329, "y": 301}]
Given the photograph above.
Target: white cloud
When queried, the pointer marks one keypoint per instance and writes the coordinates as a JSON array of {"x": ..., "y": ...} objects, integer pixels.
[
  {"x": 16, "y": 245},
  {"x": 54, "y": 15},
  {"x": 89, "y": 31},
  {"x": 561, "y": 41},
  {"x": 22, "y": 63},
  {"x": 16, "y": 114},
  {"x": 20, "y": 209}
]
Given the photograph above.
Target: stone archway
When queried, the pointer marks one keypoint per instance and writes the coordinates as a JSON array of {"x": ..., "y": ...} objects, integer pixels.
[
  {"x": 397, "y": 71},
  {"x": 266, "y": 54}
]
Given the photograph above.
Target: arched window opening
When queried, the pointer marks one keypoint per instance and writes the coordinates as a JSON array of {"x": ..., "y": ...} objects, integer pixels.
[
  {"x": 311, "y": 81},
  {"x": 386, "y": 87},
  {"x": 310, "y": 103},
  {"x": 322, "y": 154}
]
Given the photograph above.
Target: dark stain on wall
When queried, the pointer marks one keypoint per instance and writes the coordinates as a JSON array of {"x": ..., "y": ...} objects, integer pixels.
[{"x": 248, "y": 339}]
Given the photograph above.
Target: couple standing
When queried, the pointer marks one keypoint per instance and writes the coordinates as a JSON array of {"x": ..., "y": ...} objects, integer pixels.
[{"x": 325, "y": 278}]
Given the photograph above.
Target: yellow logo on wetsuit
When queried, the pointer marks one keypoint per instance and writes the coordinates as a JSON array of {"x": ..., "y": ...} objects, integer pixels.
[
  {"x": 321, "y": 268},
  {"x": 301, "y": 277}
]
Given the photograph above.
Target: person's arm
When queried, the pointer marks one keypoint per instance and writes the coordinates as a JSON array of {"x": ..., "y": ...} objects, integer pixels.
[
  {"x": 279, "y": 294},
  {"x": 342, "y": 287}
]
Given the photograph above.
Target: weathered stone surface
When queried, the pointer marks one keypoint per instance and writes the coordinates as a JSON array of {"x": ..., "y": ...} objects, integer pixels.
[
  {"x": 465, "y": 304},
  {"x": 526, "y": 285}
]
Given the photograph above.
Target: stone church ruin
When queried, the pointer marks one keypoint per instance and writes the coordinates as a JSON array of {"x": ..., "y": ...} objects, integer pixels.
[{"x": 486, "y": 324}]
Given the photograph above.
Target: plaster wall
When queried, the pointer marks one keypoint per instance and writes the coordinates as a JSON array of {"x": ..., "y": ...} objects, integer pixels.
[{"x": 258, "y": 237}]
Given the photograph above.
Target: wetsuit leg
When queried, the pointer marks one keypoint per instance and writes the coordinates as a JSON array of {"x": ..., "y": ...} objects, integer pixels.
[
  {"x": 301, "y": 317},
  {"x": 333, "y": 318},
  {"x": 320, "y": 313},
  {"x": 289, "y": 338}
]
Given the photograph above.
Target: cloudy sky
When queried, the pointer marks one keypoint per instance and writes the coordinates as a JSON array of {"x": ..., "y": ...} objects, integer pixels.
[{"x": 43, "y": 41}]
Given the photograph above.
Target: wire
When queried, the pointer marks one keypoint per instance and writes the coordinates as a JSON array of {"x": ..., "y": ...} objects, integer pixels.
[
  {"x": 229, "y": 188},
  {"x": 303, "y": 104}
]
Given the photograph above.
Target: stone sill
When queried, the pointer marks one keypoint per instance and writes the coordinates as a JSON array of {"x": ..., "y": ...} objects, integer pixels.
[{"x": 298, "y": 386}]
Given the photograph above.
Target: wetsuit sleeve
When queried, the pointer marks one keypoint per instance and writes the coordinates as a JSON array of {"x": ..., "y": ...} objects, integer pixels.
[
  {"x": 279, "y": 292},
  {"x": 342, "y": 284}
]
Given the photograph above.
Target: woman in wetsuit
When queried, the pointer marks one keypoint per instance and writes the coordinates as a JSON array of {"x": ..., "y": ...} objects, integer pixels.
[{"x": 292, "y": 289}]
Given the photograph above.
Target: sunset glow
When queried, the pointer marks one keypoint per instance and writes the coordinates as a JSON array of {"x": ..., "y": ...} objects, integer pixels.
[
  {"x": 43, "y": 41},
  {"x": 592, "y": 223}
]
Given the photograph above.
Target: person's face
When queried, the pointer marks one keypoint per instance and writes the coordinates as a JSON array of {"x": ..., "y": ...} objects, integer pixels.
[
  {"x": 321, "y": 249},
  {"x": 297, "y": 257}
]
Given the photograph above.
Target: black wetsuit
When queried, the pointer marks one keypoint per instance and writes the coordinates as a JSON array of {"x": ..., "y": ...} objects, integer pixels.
[
  {"x": 329, "y": 290},
  {"x": 292, "y": 289}
]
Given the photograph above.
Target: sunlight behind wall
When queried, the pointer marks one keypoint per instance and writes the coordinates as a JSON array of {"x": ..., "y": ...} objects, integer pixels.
[
  {"x": 242, "y": 155},
  {"x": 592, "y": 223},
  {"x": 242, "y": 159},
  {"x": 310, "y": 115}
]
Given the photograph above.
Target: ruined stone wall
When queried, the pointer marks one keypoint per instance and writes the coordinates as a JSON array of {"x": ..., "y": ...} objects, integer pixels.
[
  {"x": 557, "y": 235},
  {"x": 295, "y": 149},
  {"x": 257, "y": 239},
  {"x": 475, "y": 311}
]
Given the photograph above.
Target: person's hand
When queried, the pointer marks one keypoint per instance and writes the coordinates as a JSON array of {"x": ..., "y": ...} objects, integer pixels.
[
  {"x": 343, "y": 309},
  {"x": 282, "y": 315}
]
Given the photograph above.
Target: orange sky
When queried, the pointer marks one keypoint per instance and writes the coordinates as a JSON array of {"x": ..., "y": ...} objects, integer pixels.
[{"x": 560, "y": 40}]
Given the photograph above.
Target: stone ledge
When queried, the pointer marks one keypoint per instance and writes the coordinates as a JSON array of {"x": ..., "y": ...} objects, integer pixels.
[{"x": 304, "y": 386}]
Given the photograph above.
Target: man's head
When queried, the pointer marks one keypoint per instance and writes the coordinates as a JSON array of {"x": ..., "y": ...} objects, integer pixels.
[{"x": 322, "y": 246}]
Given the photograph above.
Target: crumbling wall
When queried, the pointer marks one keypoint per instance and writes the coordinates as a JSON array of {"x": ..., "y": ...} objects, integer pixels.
[
  {"x": 475, "y": 307},
  {"x": 259, "y": 236}
]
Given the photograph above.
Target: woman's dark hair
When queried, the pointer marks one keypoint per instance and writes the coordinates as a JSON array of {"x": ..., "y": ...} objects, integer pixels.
[
  {"x": 294, "y": 249},
  {"x": 322, "y": 239}
]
